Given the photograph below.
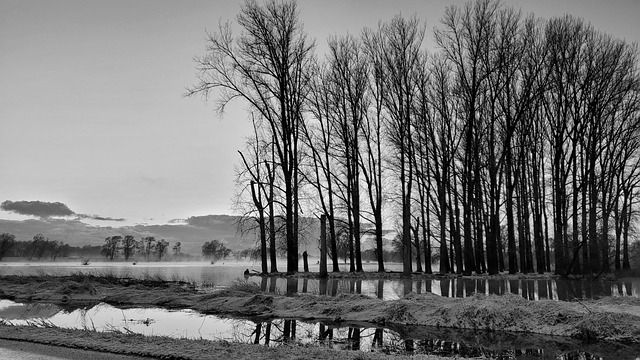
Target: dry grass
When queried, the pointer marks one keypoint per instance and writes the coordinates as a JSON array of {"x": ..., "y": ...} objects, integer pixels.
[{"x": 182, "y": 349}]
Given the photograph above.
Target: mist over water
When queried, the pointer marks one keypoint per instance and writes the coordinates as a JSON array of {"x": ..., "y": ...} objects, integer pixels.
[{"x": 224, "y": 272}]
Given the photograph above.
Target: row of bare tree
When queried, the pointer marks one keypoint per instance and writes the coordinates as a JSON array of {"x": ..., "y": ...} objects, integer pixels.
[
  {"x": 128, "y": 246},
  {"x": 515, "y": 133},
  {"x": 38, "y": 247}
]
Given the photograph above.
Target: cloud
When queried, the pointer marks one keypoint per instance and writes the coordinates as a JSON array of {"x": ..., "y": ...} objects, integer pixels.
[
  {"x": 44, "y": 209},
  {"x": 99, "y": 218},
  {"x": 37, "y": 208}
]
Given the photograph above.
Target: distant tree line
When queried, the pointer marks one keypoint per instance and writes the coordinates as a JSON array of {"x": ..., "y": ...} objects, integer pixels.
[
  {"x": 215, "y": 250},
  {"x": 114, "y": 247},
  {"x": 512, "y": 147},
  {"x": 40, "y": 247},
  {"x": 147, "y": 247}
]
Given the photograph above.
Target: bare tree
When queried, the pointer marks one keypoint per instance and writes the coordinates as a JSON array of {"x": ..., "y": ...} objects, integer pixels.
[
  {"x": 444, "y": 140},
  {"x": 464, "y": 39},
  {"x": 148, "y": 243},
  {"x": 254, "y": 177},
  {"x": 111, "y": 246},
  {"x": 128, "y": 246},
  {"x": 177, "y": 248},
  {"x": 7, "y": 241},
  {"x": 266, "y": 65},
  {"x": 161, "y": 248},
  {"x": 372, "y": 132},
  {"x": 401, "y": 55},
  {"x": 348, "y": 82},
  {"x": 318, "y": 135}
]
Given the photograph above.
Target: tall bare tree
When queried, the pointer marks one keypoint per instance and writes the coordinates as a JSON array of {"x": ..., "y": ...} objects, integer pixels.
[
  {"x": 348, "y": 77},
  {"x": 401, "y": 55},
  {"x": 318, "y": 137},
  {"x": 266, "y": 66},
  {"x": 373, "y": 136},
  {"x": 464, "y": 39}
]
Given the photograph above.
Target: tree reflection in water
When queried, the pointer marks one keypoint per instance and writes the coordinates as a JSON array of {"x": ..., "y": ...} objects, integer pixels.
[
  {"x": 437, "y": 341},
  {"x": 455, "y": 287},
  {"x": 428, "y": 341},
  {"x": 348, "y": 336}
]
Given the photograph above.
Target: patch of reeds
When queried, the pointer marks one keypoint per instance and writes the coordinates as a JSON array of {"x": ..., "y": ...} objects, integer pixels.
[
  {"x": 154, "y": 278},
  {"x": 245, "y": 287},
  {"x": 43, "y": 323}
]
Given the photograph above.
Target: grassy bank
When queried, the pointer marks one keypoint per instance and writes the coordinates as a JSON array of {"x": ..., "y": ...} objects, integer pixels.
[
  {"x": 614, "y": 319},
  {"x": 610, "y": 318},
  {"x": 158, "y": 347}
]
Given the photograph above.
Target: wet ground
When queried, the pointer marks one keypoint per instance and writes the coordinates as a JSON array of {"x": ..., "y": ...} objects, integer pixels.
[
  {"x": 379, "y": 322},
  {"x": 362, "y": 336}
]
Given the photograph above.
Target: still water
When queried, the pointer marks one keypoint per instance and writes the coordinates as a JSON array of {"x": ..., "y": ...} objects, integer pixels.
[
  {"x": 223, "y": 273},
  {"x": 355, "y": 336}
]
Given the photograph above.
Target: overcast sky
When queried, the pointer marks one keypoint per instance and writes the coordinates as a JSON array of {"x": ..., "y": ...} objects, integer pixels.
[{"x": 91, "y": 106}]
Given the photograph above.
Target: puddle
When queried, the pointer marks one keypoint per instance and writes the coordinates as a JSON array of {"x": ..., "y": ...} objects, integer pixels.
[
  {"x": 104, "y": 317},
  {"x": 356, "y": 336}
]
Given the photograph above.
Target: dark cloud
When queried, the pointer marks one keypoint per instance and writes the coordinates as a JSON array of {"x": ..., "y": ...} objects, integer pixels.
[
  {"x": 37, "y": 208},
  {"x": 44, "y": 209},
  {"x": 99, "y": 218}
]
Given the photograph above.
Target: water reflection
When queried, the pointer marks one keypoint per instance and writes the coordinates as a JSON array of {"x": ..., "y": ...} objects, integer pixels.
[
  {"x": 432, "y": 341},
  {"x": 392, "y": 289},
  {"x": 361, "y": 336},
  {"x": 220, "y": 275}
]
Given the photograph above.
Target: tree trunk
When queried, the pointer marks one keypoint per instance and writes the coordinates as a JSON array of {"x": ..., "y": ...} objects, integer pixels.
[
  {"x": 272, "y": 232},
  {"x": 511, "y": 233},
  {"x": 626, "y": 265},
  {"x": 454, "y": 220},
  {"x": 416, "y": 238}
]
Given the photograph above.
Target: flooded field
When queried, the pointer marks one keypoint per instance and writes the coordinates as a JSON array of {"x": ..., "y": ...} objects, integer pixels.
[
  {"x": 221, "y": 274},
  {"x": 381, "y": 337},
  {"x": 357, "y": 336}
]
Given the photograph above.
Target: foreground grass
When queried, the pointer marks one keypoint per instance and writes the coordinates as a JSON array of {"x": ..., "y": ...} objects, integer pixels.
[{"x": 182, "y": 349}]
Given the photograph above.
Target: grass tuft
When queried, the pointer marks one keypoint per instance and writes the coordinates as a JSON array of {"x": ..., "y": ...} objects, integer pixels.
[{"x": 244, "y": 286}]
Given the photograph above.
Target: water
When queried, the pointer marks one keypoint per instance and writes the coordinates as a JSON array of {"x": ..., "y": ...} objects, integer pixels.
[
  {"x": 392, "y": 289},
  {"x": 223, "y": 273},
  {"x": 355, "y": 336},
  {"x": 218, "y": 274}
]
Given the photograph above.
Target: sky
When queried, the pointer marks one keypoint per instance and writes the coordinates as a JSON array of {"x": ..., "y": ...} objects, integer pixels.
[{"x": 92, "y": 112}]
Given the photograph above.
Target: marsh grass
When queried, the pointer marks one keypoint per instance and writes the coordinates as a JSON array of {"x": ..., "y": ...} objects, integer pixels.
[
  {"x": 245, "y": 286},
  {"x": 119, "y": 341},
  {"x": 79, "y": 280},
  {"x": 153, "y": 277},
  {"x": 42, "y": 323}
]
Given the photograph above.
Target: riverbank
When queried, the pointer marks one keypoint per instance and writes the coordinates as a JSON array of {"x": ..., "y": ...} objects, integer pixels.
[
  {"x": 166, "y": 348},
  {"x": 612, "y": 319}
]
